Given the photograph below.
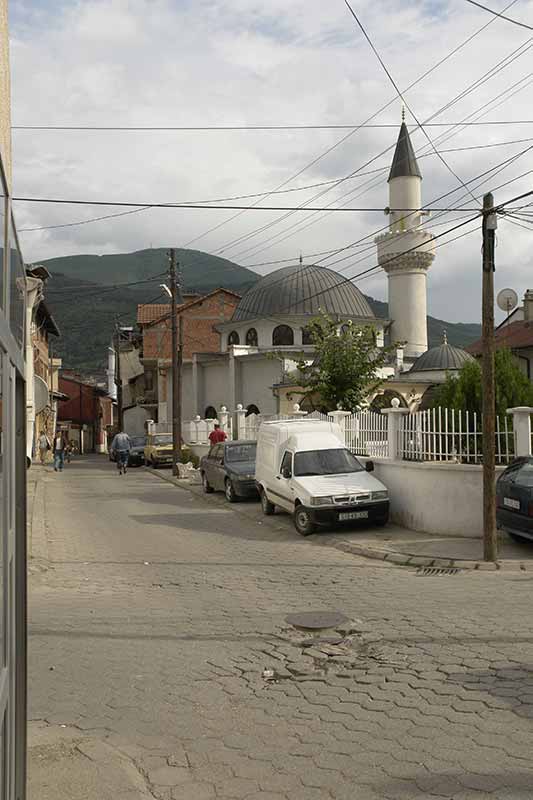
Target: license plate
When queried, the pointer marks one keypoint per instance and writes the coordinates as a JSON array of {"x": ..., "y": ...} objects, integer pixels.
[
  {"x": 510, "y": 503},
  {"x": 343, "y": 517}
]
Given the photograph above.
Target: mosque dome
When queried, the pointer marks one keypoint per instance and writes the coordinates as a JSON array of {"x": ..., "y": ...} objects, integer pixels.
[
  {"x": 443, "y": 357},
  {"x": 303, "y": 290}
]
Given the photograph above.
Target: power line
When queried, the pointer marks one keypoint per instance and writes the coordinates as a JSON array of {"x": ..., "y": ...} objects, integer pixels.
[
  {"x": 501, "y": 16},
  {"x": 196, "y": 206},
  {"x": 225, "y": 128}
]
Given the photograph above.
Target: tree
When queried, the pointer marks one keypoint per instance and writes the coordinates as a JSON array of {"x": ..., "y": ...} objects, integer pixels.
[
  {"x": 346, "y": 363},
  {"x": 464, "y": 391}
]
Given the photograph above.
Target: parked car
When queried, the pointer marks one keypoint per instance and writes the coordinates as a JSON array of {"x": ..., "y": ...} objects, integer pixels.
[
  {"x": 514, "y": 500},
  {"x": 304, "y": 467},
  {"x": 138, "y": 444},
  {"x": 158, "y": 450},
  {"x": 230, "y": 467}
]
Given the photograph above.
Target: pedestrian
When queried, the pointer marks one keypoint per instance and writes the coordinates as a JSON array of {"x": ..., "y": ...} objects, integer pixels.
[
  {"x": 217, "y": 435},
  {"x": 121, "y": 446},
  {"x": 44, "y": 447},
  {"x": 60, "y": 446}
]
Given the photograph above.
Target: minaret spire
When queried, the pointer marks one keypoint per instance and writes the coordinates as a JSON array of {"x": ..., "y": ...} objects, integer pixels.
[{"x": 404, "y": 163}]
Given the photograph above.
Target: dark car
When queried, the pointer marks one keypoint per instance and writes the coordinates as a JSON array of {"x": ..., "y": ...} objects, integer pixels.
[
  {"x": 230, "y": 467},
  {"x": 138, "y": 444},
  {"x": 514, "y": 500}
]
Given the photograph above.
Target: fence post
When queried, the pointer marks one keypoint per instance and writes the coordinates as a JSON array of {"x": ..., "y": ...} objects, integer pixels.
[
  {"x": 150, "y": 426},
  {"x": 196, "y": 422},
  {"x": 297, "y": 411},
  {"x": 522, "y": 429},
  {"x": 394, "y": 420},
  {"x": 339, "y": 417},
  {"x": 240, "y": 415},
  {"x": 223, "y": 418}
]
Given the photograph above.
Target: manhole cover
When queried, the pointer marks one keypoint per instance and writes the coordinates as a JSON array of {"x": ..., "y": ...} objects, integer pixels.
[{"x": 316, "y": 620}]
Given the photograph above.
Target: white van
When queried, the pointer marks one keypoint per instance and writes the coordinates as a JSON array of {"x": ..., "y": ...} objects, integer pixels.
[{"x": 304, "y": 467}]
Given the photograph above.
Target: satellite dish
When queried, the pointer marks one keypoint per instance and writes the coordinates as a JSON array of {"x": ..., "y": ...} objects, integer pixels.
[
  {"x": 507, "y": 300},
  {"x": 41, "y": 394}
]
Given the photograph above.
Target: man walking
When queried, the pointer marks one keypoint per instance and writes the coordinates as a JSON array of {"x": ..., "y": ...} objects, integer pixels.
[
  {"x": 44, "y": 447},
  {"x": 121, "y": 446},
  {"x": 217, "y": 435},
  {"x": 60, "y": 446}
]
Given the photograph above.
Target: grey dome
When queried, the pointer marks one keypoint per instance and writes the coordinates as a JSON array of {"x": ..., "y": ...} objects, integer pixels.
[
  {"x": 302, "y": 289},
  {"x": 443, "y": 357}
]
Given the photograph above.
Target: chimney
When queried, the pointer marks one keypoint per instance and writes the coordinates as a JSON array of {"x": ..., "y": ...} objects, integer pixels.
[{"x": 528, "y": 305}]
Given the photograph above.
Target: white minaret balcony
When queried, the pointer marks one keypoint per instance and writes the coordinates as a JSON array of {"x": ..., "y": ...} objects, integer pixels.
[{"x": 406, "y": 251}]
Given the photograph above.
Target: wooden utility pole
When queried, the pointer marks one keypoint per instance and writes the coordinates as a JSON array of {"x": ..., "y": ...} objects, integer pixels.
[
  {"x": 490, "y": 543},
  {"x": 177, "y": 338},
  {"x": 118, "y": 379}
]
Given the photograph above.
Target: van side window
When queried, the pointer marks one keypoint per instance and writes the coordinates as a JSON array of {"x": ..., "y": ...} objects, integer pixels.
[{"x": 286, "y": 462}]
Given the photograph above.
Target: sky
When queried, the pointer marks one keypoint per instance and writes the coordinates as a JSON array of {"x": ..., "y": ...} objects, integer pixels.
[{"x": 286, "y": 62}]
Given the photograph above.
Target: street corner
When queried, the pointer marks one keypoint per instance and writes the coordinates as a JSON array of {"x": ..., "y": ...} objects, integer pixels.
[{"x": 63, "y": 761}]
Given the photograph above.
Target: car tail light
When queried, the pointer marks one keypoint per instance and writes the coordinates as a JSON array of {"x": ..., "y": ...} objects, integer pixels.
[{"x": 530, "y": 508}]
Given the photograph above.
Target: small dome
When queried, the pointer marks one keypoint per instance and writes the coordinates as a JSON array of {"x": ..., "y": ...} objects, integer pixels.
[
  {"x": 303, "y": 289},
  {"x": 443, "y": 357}
]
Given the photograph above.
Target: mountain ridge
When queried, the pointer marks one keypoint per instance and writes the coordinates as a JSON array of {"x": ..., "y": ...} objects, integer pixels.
[{"x": 87, "y": 316}]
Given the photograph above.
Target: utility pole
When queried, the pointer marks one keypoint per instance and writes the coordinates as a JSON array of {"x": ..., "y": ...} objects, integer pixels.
[
  {"x": 177, "y": 361},
  {"x": 118, "y": 378},
  {"x": 489, "y": 224}
]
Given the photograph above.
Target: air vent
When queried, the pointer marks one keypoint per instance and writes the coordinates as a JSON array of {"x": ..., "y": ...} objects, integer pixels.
[{"x": 426, "y": 572}]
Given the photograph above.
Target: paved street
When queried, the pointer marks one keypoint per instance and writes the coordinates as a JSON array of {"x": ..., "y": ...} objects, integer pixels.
[{"x": 159, "y": 610}]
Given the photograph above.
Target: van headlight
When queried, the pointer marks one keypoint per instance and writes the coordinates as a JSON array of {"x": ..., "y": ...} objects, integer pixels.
[
  {"x": 380, "y": 495},
  {"x": 321, "y": 501}
]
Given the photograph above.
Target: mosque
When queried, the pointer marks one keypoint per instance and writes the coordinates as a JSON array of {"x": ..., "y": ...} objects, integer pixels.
[{"x": 272, "y": 318}]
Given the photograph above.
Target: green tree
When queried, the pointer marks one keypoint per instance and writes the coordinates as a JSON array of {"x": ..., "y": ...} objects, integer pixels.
[
  {"x": 346, "y": 363},
  {"x": 464, "y": 391}
]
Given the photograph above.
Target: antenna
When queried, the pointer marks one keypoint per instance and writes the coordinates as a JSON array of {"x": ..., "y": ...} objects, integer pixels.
[{"x": 507, "y": 300}]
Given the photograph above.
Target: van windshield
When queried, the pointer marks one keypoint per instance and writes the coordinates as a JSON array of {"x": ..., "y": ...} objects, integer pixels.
[{"x": 325, "y": 462}]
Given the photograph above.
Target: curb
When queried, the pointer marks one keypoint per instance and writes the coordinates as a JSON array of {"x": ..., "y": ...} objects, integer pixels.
[{"x": 408, "y": 560}]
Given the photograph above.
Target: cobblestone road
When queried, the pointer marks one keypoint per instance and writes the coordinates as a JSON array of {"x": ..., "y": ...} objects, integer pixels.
[{"x": 159, "y": 611}]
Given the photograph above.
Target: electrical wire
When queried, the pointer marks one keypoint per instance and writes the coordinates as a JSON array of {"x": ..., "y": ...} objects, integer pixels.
[
  {"x": 501, "y": 16},
  {"x": 226, "y": 128}
]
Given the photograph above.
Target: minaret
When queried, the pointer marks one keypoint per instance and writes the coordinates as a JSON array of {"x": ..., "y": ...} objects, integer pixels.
[{"x": 406, "y": 251}]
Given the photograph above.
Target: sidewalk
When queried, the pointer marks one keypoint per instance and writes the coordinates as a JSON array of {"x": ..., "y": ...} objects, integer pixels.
[
  {"x": 397, "y": 545},
  {"x": 36, "y": 530}
]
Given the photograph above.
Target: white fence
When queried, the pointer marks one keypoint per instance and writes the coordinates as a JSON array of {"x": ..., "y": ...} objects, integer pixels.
[
  {"x": 441, "y": 434},
  {"x": 432, "y": 436}
]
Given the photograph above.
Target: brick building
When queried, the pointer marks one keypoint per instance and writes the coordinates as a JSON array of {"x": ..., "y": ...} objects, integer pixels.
[
  {"x": 87, "y": 414},
  {"x": 201, "y": 317}
]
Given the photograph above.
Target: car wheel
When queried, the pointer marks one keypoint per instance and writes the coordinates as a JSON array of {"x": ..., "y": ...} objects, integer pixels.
[
  {"x": 229, "y": 491},
  {"x": 302, "y": 521},
  {"x": 518, "y": 539},
  {"x": 267, "y": 507},
  {"x": 206, "y": 486}
]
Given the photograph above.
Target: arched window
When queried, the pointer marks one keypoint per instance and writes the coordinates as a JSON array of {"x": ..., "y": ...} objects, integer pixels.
[
  {"x": 233, "y": 338},
  {"x": 251, "y": 409},
  {"x": 282, "y": 335},
  {"x": 251, "y": 337},
  {"x": 306, "y": 336},
  {"x": 210, "y": 413}
]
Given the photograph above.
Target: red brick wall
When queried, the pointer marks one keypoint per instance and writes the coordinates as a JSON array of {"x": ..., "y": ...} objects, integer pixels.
[
  {"x": 198, "y": 328},
  {"x": 82, "y": 409}
]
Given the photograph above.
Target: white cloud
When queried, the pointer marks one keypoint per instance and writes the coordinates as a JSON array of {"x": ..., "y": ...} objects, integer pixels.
[{"x": 213, "y": 62}]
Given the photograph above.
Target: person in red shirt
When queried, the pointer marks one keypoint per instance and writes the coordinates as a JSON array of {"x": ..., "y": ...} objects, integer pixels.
[{"x": 217, "y": 435}]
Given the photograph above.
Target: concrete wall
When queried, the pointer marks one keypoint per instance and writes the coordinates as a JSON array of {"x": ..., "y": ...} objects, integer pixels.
[
  {"x": 134, "y": 420},
  {"x": 444, "y": 499},
  {"x": 255, "y": 377}
]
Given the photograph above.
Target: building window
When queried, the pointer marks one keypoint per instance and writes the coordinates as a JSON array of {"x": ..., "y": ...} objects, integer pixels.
[
  {"x": 282, "y": 335},
  {"x": 210, "y": 413},
  {"x": 251, "y": 337},
  {"x": 149, "y": 380},
  {"x": 233, "y": 338},
  {"x": 306, "y": 336}
]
